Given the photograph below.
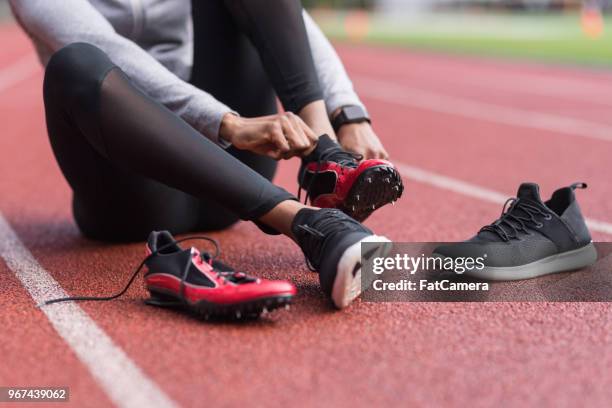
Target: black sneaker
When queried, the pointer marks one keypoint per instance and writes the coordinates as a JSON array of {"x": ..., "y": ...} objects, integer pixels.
[
  {"x": 531, "y": 238},
  {"x": 331, "y": 242},
  {"x": 335, "y": 178}
]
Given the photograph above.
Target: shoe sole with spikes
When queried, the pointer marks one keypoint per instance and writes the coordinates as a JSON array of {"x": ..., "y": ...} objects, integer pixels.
[
  {"x": 251, "y": 309},
  {"x": 374, "y": 188}
]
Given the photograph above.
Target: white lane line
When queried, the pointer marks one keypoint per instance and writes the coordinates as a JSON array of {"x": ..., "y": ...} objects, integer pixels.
[
  {"x": 591, "y": 91},
  {"x": 472, "y": 190},
  {"x": 125, "y": 384},
  {"x": 554, "y": 88},
  {"x": 390, "y": 92},
  {"x": 20, "y": 70}
]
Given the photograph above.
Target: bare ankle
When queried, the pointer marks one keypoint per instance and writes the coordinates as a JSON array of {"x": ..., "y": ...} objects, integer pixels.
[{"x": 281, "y": 217}]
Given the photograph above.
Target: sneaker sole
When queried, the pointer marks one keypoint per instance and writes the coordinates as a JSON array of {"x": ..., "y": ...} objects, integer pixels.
[
  {"x": 565, "y": 261},
  {"x": 374, "y": 188},
  {"x": 347, "y": 284},
  {"x": 247, "y": 310}
]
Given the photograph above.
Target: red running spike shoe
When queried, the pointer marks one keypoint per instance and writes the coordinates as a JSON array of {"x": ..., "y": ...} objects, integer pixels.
[
  {"x": 334, "y": 178},
  {"x": 186, "y": 278}
]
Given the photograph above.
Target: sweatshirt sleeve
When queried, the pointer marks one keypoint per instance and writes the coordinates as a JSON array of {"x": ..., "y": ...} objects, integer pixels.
[
  {"x": 56, "y": 24},
  {"x": 336, "y": 86}
]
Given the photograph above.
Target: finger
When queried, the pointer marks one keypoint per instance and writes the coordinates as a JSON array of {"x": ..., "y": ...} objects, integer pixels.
[
  {"x": 384, "y": 155},
  {"x": 357, "y": 150},
  {"x": 380, "y": 152},
  {"x": 294, "y": 138},
  {"x": 272, "y": 152},
  {"x": 288, "y": 131},
  {"x": 367, "y": 154},
  {"x": 305, "y": 142},
  {"x": 310, "y": 134},
  {"x": 277, "y": 138},
  {"x": 372, "y": 154}
]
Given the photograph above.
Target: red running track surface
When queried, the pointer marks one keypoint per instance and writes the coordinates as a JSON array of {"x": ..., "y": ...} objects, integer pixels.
[{"x": 433, "y": 354}]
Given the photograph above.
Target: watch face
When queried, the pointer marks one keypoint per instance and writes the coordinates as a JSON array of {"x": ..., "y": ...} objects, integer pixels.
[{"x": 353, "y": 112}]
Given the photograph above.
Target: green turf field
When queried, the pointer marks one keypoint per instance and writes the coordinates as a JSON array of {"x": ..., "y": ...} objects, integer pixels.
[{"x": 554, "y": 38}]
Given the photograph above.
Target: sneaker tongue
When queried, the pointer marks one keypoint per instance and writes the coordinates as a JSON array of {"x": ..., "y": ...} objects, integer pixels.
[
  {"x": 325, "y": 142},
  {"x": 526, "y": 191},
  {"x": 529, "y": 191}
]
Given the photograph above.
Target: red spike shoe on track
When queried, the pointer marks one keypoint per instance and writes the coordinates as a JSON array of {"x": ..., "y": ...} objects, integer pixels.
[
  {"x": 334, "y": 178},
  {"x": 193, "y": 280}
]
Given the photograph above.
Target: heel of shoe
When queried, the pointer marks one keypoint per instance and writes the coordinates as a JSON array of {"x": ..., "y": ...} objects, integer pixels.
[
  {"x": 348, "y": 283},
  {"x": 579, "y": 258}
]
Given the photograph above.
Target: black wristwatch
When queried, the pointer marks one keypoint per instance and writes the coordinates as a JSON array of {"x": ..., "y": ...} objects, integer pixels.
[{"x": 350, "y": 114}]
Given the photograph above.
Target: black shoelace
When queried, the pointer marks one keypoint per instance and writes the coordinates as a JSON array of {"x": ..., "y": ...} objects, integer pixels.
[
  {"x": 204, "y": 256},
  {"x": 228, "y": 275},
  {"x": 333, "y": 154},
  {"x": 321, "y": 231},
  {"x": 520, "y": 216}
]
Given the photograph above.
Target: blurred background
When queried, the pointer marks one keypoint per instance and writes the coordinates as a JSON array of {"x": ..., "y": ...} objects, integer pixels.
[
  {"x": 569, "y": 31},
  {"x": 5, "y": 12}
]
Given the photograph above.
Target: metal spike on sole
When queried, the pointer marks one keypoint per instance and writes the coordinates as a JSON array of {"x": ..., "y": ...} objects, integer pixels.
[
  {"x": 369, "y": 179},
  {"x": 287, "y": 306},
  {"x": 357, "y": 197},
  {"x": 238, "y": 314}
]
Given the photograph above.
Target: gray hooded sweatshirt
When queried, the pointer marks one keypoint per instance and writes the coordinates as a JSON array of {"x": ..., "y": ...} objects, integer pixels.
[{"x": 151, "y": 40}]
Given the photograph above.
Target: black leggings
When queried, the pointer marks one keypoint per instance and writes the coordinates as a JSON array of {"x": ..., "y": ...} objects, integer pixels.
[{"x": 134, "y": 166}]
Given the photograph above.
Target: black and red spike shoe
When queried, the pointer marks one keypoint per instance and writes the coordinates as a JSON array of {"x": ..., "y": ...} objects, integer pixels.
[
  {"x": 196, "y": 281},
  {"x": 334, "y": 178}
]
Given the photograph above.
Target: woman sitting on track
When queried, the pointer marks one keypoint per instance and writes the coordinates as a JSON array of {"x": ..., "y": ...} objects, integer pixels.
[{"x": 143, "y": 149}]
